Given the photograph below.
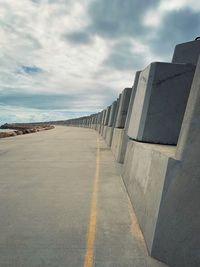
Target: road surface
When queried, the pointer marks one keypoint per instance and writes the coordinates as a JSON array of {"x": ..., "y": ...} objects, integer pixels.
[{"x": 63, "y": 204}]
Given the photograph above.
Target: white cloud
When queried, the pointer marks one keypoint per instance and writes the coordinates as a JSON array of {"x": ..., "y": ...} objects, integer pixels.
[
  {"x": 11, "y": 114},
  {"x": 32, "y": 34},
  {"x": 153, "y": 17}
]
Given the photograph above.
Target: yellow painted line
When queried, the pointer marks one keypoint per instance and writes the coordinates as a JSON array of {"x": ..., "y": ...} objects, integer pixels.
[
  {"x": 88, "y": 262},
  {"x": 135, "y": 228}
]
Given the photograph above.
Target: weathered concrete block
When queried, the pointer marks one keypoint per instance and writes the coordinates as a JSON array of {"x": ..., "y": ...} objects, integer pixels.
[
  {"x": 160, "y": 102},
  {"x": 144, "y": 172},
  {"x": 98, "y": 127},
  {"x": 125, "y": 136},
  {"x": 109, "y": 135},
  {"x": 164, "y": 187},
  {"x": 187, "y": 52},
  {"x": 107, "y": 115},
  {"x": 94, "y": 121},
  {"x": 120, "y": 138},
  {"x": 102, "y": 121},
  {"x": 132, "y": 98},
  {"x": 104, "y": 131},
  {"x": 100, "y": 118},
  {"x": 117, "y": 141},
  {"x": 181, "y": 193},
  {"x": 123, "y": 108},
  {"x": 112, "y": 114}
]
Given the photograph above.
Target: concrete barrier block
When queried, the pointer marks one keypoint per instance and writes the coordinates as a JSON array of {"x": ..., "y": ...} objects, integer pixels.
[
  {"x": 164, "y": 187},
  {"x": 179, "y": 236},
  {"x": 160, "y": 102},
  {"x": 112, "y": 114},
  {"x": 123, "y": 108},
  {"x": 104, "y": 131},
  {"x": 133, "y": 92},
  {"x": 187, "y": 52},
  {"x": 144, "y": 172},
  {"x": 102, "y": 121},
  {"x": 117, "y": 141},
  {"x": 107, "y": 115},
  {"x": 109, "y": 135},
  {"x": 117, "y": 109}
]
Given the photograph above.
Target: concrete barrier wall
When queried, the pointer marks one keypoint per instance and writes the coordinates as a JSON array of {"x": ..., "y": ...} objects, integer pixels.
[
  {"x": 120, "y": 136},
  {"x": 111, "y": 122},
  {"x": 119, "y": 132},
  {"x": 110, "y": 129},
  {"x": 158, "y": 141}
]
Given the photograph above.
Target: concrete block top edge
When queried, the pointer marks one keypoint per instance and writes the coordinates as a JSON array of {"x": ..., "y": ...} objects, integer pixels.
[
  {"x": 167, "y": 63},
  {"x": 190, "y": 42},
  {"x": 126, "y": 88},
  {"x": 156, "y": 64},
  {"x": 187, "y": 52}
]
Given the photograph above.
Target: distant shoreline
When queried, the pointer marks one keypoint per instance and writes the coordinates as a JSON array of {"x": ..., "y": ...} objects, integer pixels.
[
  {"x": 10, "y": 130},
  {"x": 5, "y": 130}
]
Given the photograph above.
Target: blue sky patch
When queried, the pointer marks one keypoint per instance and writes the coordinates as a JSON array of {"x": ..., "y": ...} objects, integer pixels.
[{"x": 31, "y": 70}]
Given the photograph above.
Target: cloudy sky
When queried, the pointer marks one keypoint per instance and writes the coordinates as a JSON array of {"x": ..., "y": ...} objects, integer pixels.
[{"x": 65, "y": 58}]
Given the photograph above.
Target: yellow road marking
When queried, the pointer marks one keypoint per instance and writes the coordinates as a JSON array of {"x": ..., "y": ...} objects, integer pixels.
[
  {"x": 135, "y": 228},
  {"x": 88, "y": 262}
]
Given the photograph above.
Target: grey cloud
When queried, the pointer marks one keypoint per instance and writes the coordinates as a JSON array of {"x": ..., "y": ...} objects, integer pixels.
[
  {"x": 105, "y": 93},
  {"x": 79, "y": 37},
  {"x": 51, "y": 1},
  {"x": 177, "y": 27},
  {"x": 34, "y": 42},
  {"x": 22, "y": 33},
  {"x": 82, "y": 100},
  {"x": 59, "y": 1},
  {"x": 36, "y": 101},
  {"x": 123, "y": 58},
  {"x": 116, "y": 18},
  {"x": 30, "y": 70},
  {"x": 36, "y": 1}
]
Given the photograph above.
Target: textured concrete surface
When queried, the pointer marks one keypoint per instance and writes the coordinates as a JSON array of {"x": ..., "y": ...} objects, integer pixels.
[
  {"x": 117, "y": 141},
  {"x": 102, "y": 121},
  {"x": 123, "y": 108},
  {"x": 118, "y": 138},
  {"x": 112, "y": 114},
  {"x": 144, "y": 174},
  {"x": 132, "y": 98},
  {"x": 160, "y": 102},
  {"x": 177, "y": 239},
  {"x": 112, "y": 120},
  {"x": 107, "y": 115},
  {"x": 187, "y": 52},
  {"x": 125, "y": 138},
  {"x": 109, "y": 135},
  {"x": 163, "y": 184},
  {"x": 117, "y": 109},
  {"x": 104, "y": 131},
  {"x": 45, "y": 195}
]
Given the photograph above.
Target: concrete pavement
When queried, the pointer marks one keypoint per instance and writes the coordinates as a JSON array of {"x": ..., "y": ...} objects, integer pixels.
[{"x": 60, "y": 204}]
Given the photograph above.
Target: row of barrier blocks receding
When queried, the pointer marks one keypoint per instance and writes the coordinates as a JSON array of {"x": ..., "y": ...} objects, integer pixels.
[{"x": 153, "y": 128}]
